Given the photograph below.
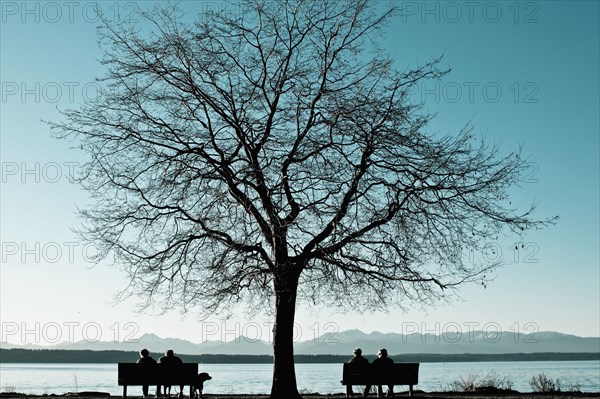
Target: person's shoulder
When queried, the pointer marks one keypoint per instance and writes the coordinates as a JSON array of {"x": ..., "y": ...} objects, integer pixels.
[{"x": 361, "y": 360}]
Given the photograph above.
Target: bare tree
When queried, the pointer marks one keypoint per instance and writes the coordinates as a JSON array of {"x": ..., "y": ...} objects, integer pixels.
[{"x": 276, "y": 154}]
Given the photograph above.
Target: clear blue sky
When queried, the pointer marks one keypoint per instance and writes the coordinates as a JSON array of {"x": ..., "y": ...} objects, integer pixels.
[{"x": 525, "y": 73}]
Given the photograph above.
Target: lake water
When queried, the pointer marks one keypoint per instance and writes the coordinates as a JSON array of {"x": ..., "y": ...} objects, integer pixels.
[{"x": 256, "y": 378}]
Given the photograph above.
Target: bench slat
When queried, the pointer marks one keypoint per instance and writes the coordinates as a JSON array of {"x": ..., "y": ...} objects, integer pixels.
[{"x": 157, "y": 374}]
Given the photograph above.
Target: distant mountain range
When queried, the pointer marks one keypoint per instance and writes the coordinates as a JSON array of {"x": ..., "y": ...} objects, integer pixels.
[{"x": 342, "y": 343}]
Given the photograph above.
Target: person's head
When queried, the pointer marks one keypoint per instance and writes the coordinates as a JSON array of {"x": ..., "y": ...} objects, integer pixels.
[
  {"x": 169, "y": 352},
  {"x": 382, "y": 352},
  {"x": 144, "y": 353},
  {"x": 357, "y": 352}
]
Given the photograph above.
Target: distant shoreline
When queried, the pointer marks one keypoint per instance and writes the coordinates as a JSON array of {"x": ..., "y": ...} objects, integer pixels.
[{"x": 15, "y": 355}]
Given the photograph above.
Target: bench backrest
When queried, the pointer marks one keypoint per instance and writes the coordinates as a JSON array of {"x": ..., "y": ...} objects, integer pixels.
[
  {"x": 394, "y": 374},
  {"x": 157, "y": 374}
]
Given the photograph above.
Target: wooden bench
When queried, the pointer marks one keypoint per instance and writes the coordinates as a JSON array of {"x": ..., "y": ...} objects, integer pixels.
[
  {"x": 156, "y": 374},
  {"x": 396, "y": 374}
]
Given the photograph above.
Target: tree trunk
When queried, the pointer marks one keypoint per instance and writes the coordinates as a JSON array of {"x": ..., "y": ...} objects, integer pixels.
[{"x": 284, "y": 373}]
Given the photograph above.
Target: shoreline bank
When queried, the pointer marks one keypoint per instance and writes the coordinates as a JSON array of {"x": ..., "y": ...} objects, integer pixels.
[{"x": 417, "y": 395}]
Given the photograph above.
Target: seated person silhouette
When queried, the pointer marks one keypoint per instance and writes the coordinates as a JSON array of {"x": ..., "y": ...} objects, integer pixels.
[
  {"x": 170, "y": 358},
  {"x": 381, "y": 365},
  {"x": 146, "y": 359},
  {"x": 360, "y": 363},
  {"x": 199, "y": 384}
]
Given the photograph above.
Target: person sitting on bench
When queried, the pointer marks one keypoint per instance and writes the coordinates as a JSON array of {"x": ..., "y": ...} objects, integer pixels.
[
  {"x": 170, "y": 358},
  {"x": 381, "y": 365},
  {"x": 360, "y": 363},
  {"x": 145, "y": 358}
]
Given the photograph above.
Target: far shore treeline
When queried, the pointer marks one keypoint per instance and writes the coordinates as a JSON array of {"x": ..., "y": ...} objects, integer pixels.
[{"x": 15, "y": 355}]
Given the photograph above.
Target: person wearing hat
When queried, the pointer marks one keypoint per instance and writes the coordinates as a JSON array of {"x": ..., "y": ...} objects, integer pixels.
[
  {"x": 382, "y": 363},
  {"x": 359, "y": 362}
]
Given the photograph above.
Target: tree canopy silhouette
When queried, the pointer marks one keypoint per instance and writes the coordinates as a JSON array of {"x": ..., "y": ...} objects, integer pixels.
[{"x": 275, "y": 154}]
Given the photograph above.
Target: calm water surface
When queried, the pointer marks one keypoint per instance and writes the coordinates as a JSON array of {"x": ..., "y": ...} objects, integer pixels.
[{"x": 256, "y": 378}]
